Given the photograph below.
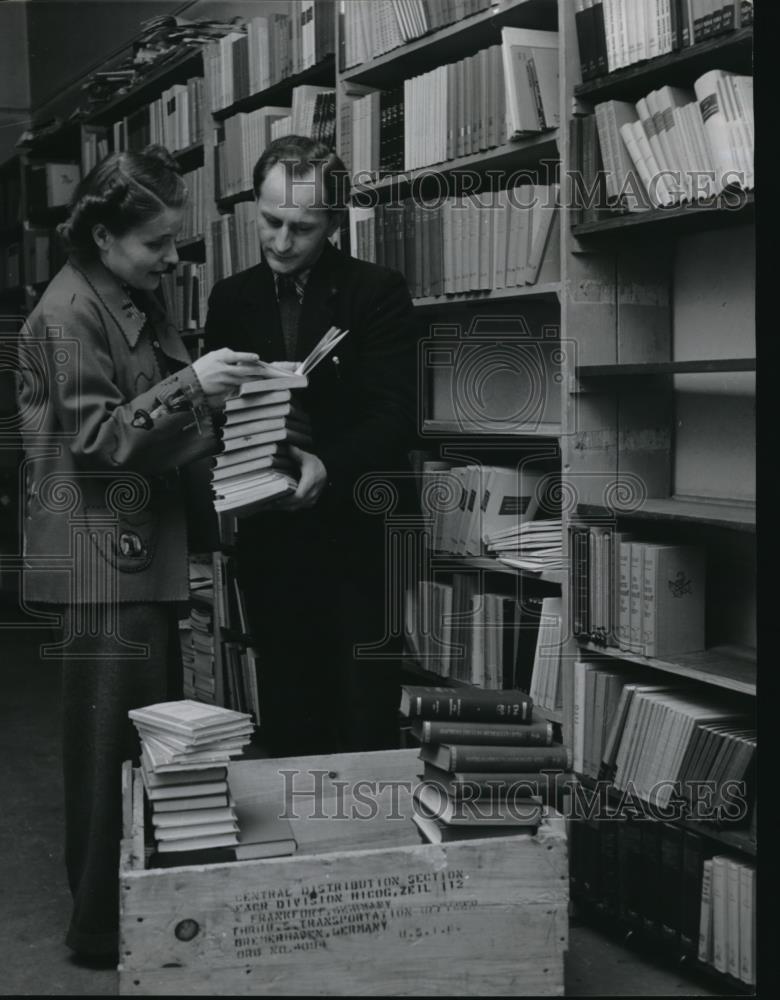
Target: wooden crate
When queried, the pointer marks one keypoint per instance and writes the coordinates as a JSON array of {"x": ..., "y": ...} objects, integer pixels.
[{"x": 363, "y": 907}]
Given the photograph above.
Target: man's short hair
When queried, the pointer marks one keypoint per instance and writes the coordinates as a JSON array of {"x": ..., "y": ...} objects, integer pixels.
[{"x": 300, "y": 155}]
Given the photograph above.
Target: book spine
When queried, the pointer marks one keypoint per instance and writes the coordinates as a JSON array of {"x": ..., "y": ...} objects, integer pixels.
[
  {"x": 732, "y": 918},
  {"x": 491, "y": 758},
  {"x": 532, "y": 734},
  {"x": 719, "y": 926},
  {"x": 649, "y": 604},
  {"x": 506, "y": 706}
]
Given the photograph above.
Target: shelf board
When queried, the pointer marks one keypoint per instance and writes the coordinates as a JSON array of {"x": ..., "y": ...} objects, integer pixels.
[
  {"x": 734, "y": 208},
  {"x": 544, "y": 292},
  {"x": 188, "y": 334},
  {"x": 729, "y": 667},
  {"x": 193, "y": 153},
  {"x": 452, "y": 41},
  {"x": 739, "y": 837},
  {"x": 724, "y": 514},
  {"x": 190, "y": 241},
  {"x": 729, "y": 52},
  {"x": 159, "y": 77},
  {"x": 479, "y": 428},
  {"x": 522, "y": 152},
  {"x": 667, "y": 368},
  {"x": 227, "y": 201},
  {"x": 322, "y": 74},
  {"x": 445, "y": 561},
  {"x": 412, "y": 665}
]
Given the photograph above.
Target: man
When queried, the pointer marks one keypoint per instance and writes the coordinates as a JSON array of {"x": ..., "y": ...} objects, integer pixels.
[{"x": 312, "y": 567}]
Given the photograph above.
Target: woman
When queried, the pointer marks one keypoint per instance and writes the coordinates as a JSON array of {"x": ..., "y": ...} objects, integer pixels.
[{"x": 114, "y": 418}]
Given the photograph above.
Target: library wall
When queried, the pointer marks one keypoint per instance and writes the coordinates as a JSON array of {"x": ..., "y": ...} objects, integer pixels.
[
  {"x": 14, "y": 76},
  {"x": 62, "y": 51},
  {"x": 715, "y": 421}
]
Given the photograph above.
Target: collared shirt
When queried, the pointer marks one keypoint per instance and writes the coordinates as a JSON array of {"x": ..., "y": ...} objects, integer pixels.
[{"x": 298, "y": 280}]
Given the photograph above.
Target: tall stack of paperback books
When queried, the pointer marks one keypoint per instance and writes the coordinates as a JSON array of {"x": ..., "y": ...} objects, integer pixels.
[
  {"x": 489, "y": 762},
  {"x": 185, "y": 750},
  {"x": 261, "y": 422}
]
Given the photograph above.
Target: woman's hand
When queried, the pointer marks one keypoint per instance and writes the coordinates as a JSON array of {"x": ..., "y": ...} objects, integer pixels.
[{"x": 221, "y": 372}]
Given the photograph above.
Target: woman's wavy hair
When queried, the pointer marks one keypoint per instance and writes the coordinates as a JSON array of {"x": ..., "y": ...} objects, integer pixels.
[{"x": 124, "y": 190}]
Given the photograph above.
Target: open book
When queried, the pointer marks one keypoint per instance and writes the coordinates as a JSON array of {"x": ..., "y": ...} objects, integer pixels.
[{"x": 318, "y": 353}]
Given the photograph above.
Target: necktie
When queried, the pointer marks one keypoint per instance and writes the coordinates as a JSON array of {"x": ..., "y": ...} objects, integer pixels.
[{"x": 289, "y": 314}]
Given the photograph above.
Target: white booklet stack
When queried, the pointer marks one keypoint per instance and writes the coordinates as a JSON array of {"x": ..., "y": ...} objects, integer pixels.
[{"x": 185, "y": 750}]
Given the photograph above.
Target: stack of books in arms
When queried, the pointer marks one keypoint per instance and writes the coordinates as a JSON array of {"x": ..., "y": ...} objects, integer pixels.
[
  {"x": 185, "y": 750},
  {"x": 617, "y": 33},
  {"x": 261, "y": 422},
  {"x": 489, "y": 763}
]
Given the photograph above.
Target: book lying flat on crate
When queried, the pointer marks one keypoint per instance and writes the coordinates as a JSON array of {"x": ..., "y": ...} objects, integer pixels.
[
  {"x": 255, "y": 465},
  {"x": 503, "y": 735}
]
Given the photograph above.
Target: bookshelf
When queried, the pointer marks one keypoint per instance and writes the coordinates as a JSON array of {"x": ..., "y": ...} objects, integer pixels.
[
  {"x": 652, "y": 374},
  {"x": 535, "y": 157}
]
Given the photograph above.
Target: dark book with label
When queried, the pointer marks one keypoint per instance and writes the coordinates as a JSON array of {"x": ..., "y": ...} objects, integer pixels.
[{"x": 420, "y": 702}]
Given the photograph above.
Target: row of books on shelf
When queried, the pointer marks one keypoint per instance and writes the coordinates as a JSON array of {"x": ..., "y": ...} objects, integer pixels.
[
  {"x": 245, "y": 136},
  {"x": 174, "y": 120},
  {"x": 615, "y": 33},
  {"x": 10, "y": 197},
  {"x": 372, "y": 27},
  {"x": 186, "y": 294},
  {"x": 674, "y": 145},
  {"x": 457, "y": 109},
  {"x": 11, "y": 257},
  {"x": 50, "y": 185},
  {"x": 667, "y": 886},
  {"x": 194, "y": 214},
  {"x": 493, "y": 640},
  {"x": 490, "y": 766},
  {"x": 662, "y": 741},
  {"x": 646, "y": 598},
  {"x": 470, "y": 507},
  {"x": 471, "y": 244},
  {"x": 235, "y": 241},
  {"x": 230, "y": 665},
  {"x": 271, "y": 49}
]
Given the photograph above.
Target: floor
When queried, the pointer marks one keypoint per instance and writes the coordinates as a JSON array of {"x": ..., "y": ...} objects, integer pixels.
[{"x": 34, "y": 901}]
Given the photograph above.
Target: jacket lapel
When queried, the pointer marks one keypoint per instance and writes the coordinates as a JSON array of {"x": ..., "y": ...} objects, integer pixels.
[
  {"x": 261, "y": 327},
  {"x": 319, "y": 301}
]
